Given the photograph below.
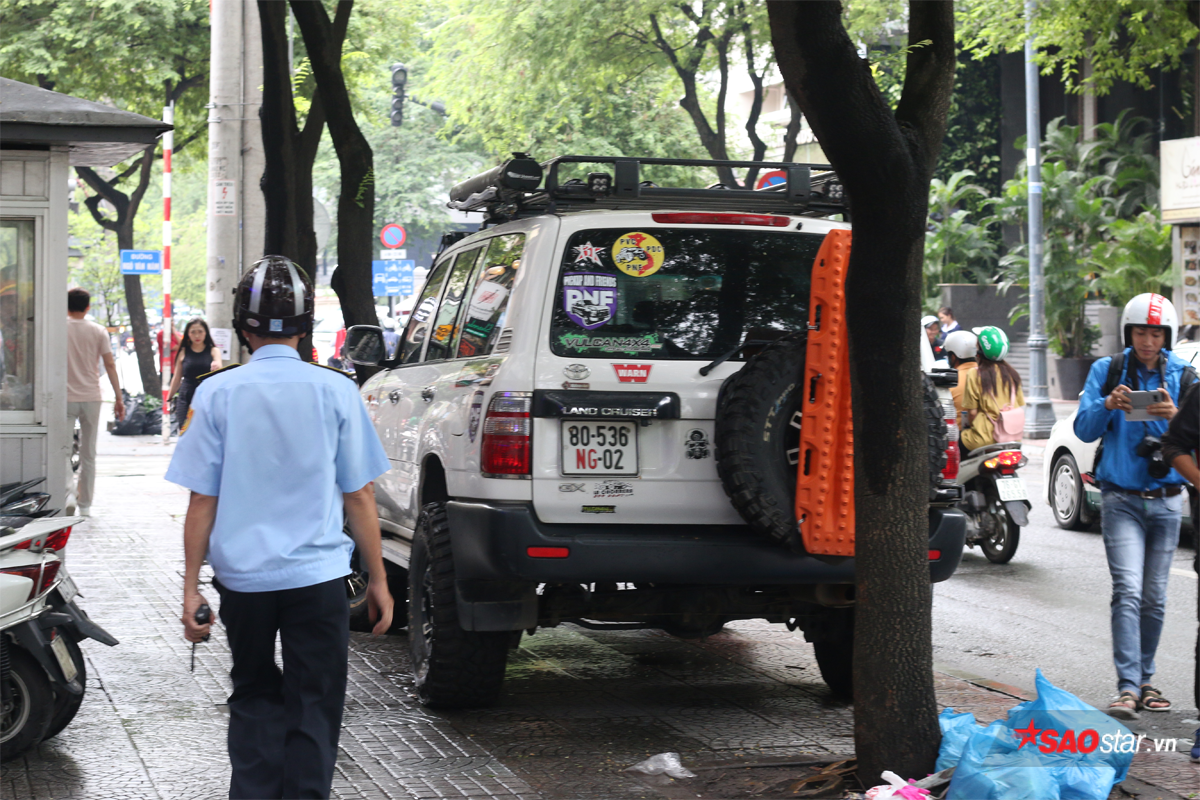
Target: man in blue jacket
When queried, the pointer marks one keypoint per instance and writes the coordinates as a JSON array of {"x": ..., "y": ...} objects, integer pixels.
[{"x": 1142, "y": 497}]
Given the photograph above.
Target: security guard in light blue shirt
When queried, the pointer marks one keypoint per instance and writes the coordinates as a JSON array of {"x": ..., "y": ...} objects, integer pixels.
[{"x": 273, "y": 452}]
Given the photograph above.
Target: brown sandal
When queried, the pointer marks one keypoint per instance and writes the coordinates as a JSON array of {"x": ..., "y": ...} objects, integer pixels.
[
  {"x": 1125, "y": 706},
  {"x": 1150, "y": 696}
]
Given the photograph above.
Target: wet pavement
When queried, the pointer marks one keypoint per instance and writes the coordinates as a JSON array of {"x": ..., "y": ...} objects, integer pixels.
[{"x": 579, "y": 706}]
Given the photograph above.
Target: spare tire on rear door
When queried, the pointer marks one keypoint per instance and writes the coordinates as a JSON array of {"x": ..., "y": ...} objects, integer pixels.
[{"x": 758, "y": 438}]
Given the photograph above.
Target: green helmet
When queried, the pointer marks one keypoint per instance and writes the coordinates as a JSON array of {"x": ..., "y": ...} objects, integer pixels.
[{"x": 993, "y": 344}]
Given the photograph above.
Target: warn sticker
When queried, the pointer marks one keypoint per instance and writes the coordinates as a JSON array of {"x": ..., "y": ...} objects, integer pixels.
[{"x": 632, "y": 373}]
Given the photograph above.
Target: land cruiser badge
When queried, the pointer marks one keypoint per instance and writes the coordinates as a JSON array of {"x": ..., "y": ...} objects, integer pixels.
[
  {"x": 696, "y": 445},
  {"x": 589, "y": 298}
]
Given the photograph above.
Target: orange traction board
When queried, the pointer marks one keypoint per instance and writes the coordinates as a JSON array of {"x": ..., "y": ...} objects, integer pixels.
[{"x": 825, "y": 474}]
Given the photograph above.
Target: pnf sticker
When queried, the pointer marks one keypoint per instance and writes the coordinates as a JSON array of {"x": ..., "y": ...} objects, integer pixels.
[
  {"x": 589, "y": 298},
  {"x": 638, "y": 254},
  {"x": 587, "y": 253}
]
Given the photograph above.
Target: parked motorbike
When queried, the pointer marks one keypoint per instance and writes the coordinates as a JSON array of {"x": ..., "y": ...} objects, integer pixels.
[
  {"x": 994, "y": 499},
  {"x": 42, "y": 670},
  {"x": 19, "y": 503}
]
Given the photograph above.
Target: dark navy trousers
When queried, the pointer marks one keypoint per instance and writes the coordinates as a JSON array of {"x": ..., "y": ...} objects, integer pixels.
[{"x": 284, "y": 725}]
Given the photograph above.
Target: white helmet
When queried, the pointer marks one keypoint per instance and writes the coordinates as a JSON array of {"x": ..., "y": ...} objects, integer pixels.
[
  {"x": 928, "y": 320},
  {"x": 1150, "y": 310},
  {"x": 962, "y": 343}
]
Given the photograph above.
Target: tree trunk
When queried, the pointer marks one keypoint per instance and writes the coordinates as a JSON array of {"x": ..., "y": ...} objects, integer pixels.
[
  {"x": 885, "y": 162},
  {"x": 356, "y": 204},
  {"x": 142, "y": 344}
]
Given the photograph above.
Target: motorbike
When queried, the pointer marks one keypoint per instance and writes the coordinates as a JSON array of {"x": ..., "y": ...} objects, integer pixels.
[
  {"x": 42, "y": 670},
  {"x": 994, "y": 499}
]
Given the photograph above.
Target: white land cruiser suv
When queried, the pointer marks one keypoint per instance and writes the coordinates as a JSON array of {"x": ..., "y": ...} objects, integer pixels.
[{"x": 563, "y": 418}]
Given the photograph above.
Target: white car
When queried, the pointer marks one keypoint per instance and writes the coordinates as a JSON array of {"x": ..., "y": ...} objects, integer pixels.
[
  {"x": 1067, "y": 482},
  {"x": 555, "y": 416}
]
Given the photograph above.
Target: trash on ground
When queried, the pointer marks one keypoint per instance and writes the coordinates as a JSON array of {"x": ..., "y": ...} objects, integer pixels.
[
  {"x": 1055, "y": 747},
  {"x": 663, "y": 764},
  {"x": 896, "y": 787}
]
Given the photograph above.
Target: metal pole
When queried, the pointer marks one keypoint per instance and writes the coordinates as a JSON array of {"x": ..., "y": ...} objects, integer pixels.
[
  {"x": 1039, "y": 418},
  {"x": 168, "y": 328}
]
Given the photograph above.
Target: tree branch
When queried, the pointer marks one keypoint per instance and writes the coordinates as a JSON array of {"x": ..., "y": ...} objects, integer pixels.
[
  {"x": 929, "y": 76},
  {"x": 105, "y": 189}
]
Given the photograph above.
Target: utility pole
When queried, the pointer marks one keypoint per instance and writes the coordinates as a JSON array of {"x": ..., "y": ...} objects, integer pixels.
[
  {"x": 1040, "y": 418},
  {"x": 236, "y": 208}
]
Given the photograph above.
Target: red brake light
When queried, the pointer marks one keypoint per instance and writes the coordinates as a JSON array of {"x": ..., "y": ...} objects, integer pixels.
[
  {"x": 58, "y": 539},
  {"x": 693, "y": 218},
  {"x": 1009, "y": 458},
  {"x": 506, "y": 435},
  {"x": 548, "y": 552},
  {"x": 42, "y": 576}
]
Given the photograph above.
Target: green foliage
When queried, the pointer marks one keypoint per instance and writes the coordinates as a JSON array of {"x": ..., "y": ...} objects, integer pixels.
[
  {"x": 1125, "y": 40},
  {"x": 1135, "y": 259},
  {"x": 973, "y": 126},
  {"x": 957, "y": 249},
  {"x": 579, "y": 75},
  {"x": 1098, "y": 214}
]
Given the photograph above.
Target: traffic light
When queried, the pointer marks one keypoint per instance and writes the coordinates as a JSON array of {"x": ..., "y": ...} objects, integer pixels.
[{"x": 399, "y": 80}]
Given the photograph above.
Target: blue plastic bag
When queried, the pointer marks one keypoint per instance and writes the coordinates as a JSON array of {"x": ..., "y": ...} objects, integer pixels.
[
  {"x": 956, "y": 730},
  {"x": 1056, "y": 747}
]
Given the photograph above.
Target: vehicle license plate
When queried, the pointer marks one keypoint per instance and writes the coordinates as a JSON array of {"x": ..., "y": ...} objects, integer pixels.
[
  {"x": 599, "y": 448},
  {"x": 1011, "y": 489},
  {"x": 66, "y": 586},
  {"x": 64, "y": 658}
]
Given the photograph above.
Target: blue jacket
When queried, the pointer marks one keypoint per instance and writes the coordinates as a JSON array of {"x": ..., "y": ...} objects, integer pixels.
[{"x": 1120, "y": 463}]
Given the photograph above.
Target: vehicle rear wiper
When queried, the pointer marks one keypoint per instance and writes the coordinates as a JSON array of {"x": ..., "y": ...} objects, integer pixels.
[{"x": 707, "y": 368}]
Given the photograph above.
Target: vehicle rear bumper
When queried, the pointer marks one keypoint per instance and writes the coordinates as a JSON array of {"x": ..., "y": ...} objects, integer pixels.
[{"x": 491, "y": 542}]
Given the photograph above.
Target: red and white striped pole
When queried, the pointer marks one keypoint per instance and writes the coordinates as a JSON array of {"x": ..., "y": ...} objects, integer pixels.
[{"x": 168, "y": 328}]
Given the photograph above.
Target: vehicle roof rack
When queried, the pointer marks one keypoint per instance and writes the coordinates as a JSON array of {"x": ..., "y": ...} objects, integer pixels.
[{"x": 515, "y": 189}]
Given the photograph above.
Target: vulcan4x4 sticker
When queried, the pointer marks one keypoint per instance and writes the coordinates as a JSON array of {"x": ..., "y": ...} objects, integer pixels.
[
  {"x": 623, "y": 345},
  {"x": 638, "y": 254},
  {"x": 590, "y": 298},
  {"x": 632, "y": 373}
]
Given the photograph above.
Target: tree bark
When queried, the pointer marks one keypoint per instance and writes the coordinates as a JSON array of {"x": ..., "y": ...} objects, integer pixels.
[
  {"x": 356, "y": 203},
  {"x": 885, "y": 162}
]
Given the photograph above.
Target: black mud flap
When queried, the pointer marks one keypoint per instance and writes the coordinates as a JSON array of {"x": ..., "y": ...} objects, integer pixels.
[{"x": 1018, "y": 510}]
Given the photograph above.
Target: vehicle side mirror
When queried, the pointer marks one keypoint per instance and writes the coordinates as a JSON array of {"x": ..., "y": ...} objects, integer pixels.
[{"x": 365, "y": 345}]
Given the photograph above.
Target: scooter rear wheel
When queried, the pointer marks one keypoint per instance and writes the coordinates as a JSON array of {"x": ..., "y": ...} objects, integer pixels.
[
  {"x": 1001, "y": 546},
  {"x": 28, "y": 703},
  {"x": 66, "y": 705}
]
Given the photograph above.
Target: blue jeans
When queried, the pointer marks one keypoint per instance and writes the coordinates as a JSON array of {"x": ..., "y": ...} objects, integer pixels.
[{"x": 1140, "y": 537}]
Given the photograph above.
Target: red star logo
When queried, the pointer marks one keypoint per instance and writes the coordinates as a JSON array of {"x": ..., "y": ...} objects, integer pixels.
[{"x": 1028, "y": 735}]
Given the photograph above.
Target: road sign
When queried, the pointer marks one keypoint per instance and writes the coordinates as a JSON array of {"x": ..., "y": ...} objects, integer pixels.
[
  {"x": 392, "y": 235},
  {"x": 393, "y": 255},
  {"x": 772, "y": 178},
  {"x": 141, "y": 262},
  {"x": 391, "y": 278}
]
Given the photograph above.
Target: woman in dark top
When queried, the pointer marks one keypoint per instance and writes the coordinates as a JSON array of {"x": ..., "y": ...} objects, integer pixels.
[{"x": 199, "y": 356}]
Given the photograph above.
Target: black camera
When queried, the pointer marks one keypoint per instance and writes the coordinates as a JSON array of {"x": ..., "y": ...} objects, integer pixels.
[{"x": 1150, "y": 448}]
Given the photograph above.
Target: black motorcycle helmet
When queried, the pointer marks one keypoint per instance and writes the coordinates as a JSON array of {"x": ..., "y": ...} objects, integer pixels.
[{"x": 274, "y": 299}]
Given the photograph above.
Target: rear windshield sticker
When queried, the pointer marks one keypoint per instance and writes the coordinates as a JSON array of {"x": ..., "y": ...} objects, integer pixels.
[
  {"x": 589, "y": 298},
  {"x": 588, "y": 253},
  {"x": 631, "y": 345},
  {"x": 638, "y": 254}
]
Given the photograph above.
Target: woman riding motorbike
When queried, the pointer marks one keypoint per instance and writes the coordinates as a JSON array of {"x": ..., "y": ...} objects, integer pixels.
[{"x": 991, "y": 389}]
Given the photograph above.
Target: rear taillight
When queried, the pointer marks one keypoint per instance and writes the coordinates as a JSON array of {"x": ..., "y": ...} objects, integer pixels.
[
  {"x": 53, "y": 541},
  {"x": 953, "y": 457},
  {"x": 42, "y": 575},
  {"x": 1005, "y": 463},
  {"x": 547, "y": 552},
  {"x": 506, "y": 436},
  {"x": 691, "y": 218}
]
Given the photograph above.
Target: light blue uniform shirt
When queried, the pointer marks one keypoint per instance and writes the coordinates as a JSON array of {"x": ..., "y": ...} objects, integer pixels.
[{"x": 278, "y": 442}]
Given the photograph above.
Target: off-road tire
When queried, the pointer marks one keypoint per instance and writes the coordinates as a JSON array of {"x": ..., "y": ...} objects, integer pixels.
[
  {"x": 939, "y": 434},
  {"x": 66, "y": 704},
  {"x": 24, "y": 724},
  {"x": 757, "y": 437},
  {"x": 757, "y": 423},
  {"x": 453, "y": 668}
]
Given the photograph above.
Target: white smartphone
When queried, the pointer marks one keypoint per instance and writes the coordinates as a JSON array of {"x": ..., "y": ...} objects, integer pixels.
[{"x": 1139, "y": 401}]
